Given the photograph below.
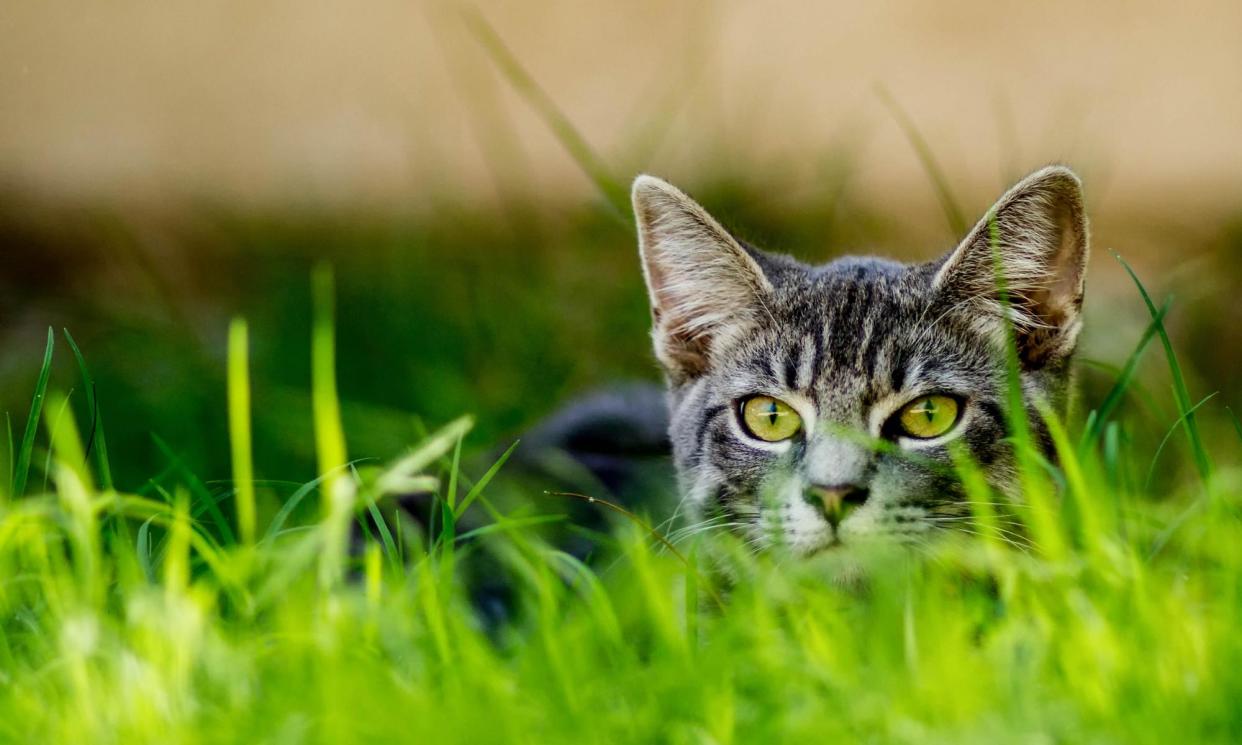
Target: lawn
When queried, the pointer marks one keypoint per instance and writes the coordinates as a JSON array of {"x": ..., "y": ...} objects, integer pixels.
[{"x": 229, "y": 605}]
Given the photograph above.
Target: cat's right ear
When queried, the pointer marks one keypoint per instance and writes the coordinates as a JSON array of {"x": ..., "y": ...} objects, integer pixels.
[{"x": 705, "y": 289}]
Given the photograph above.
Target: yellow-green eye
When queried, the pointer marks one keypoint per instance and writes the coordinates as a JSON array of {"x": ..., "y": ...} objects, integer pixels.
[
  {"x": 929, "y": 416},
  {"x": 770, "y": 418}
]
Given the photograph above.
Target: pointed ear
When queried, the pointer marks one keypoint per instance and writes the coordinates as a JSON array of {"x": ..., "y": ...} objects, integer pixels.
[
  {"x": 1040, "y": 235},
  {"x": 705, "y": 289}
]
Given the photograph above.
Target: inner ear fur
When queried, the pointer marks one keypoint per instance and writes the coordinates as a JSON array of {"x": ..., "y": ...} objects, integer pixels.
[
  {"x": 705, "y": 289},
  {"x": 1038, "y": 230}
]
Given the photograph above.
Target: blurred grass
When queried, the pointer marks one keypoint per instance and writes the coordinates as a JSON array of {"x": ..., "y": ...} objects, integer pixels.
[
  {"x": 145, "y": 614},
  {"x": 126, "y": 619}
]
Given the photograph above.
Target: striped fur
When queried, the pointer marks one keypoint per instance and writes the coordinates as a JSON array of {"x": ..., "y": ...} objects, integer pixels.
[{"x": 847, "y": 344}]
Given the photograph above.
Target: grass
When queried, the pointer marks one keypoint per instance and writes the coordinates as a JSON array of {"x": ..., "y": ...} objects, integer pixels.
[
  {"x": 127, "y": 618},
  {"x": 144, "y": 602}
]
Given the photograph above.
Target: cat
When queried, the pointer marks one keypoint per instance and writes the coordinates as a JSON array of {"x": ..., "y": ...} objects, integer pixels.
[{"x": 812, "y": 407}]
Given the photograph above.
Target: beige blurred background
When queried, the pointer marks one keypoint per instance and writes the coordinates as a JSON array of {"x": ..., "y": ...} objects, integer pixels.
[{"x": 382, "y": 103}]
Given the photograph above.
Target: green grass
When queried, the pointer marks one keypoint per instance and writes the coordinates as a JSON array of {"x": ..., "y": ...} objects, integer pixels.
[
  {"x": 144, "y": 601},
  {"x": 129, "y": 618}
]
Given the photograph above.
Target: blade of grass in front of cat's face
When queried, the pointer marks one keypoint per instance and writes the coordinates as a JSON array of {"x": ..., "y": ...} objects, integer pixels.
[
  {"x": 1090, "y": 526},
  {"x": 96, "y": 445},
  {"x": 1180, "y": 392},
  {"x": 981, "y": 500},
  {"x": 1041, "y": 517},
  {"x": 21, "y": 470}
]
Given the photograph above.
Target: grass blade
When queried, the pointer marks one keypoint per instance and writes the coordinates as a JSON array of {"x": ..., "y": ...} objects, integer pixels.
[
  {"x": 1237, "y": 426},
  {"x": 556, "y": 120},
  {"x": 338, "y": 489},
  {"x": 290, "y": 505},
  {"x": 1113, "y": 399},
  {"x": 1045, "y": 529},
  {"x": 1180, "y": 392},
  {"x": 8, "y": 449},
  {"x": 482, "y": 483},
  {"x": 21, "y": 471},
  {"x": 239, "y": 429},
  {"x": 952, "y": 212},
  {"x": 143, "y": 548},
  {"x": 406, "y": 471},
  {"x": 95, "y": 444},
  {"x": 201, "y": 494},
  {"x": 511, "y": 523},
  {"x": 1151, "y": 471},
  {"x": 454, "y": 470},
  {"x": 329, "y": 436}
]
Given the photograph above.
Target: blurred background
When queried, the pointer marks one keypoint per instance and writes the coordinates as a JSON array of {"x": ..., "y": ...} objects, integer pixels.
[{"x": 167, "y": 166}]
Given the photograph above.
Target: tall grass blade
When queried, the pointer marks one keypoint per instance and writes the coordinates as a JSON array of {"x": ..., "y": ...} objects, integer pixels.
[
  {"x": 143, "y": 548},
  {"x": 1155, "y": 458},
  {"x": 1180, "y": 393},
  {"x": 948, "y": 203},
  {"x": 239, "y": 429},
  {"x": 390, "y": 546},
  {"x": 454, "y": 470},
  {"x": 21, "y": 470},
  {"x": 7, "y": 481},
  {"x": 74, "y": 492},
  {"x": 96, "y": 444},
  {"x": 556, "y": 120},
  {"x": 291, "y": 504},
  {"x": 483, "y": 481},
  {"x": 1114, "y": 396},
  {"x": 1237, "y": 426},
  {"x": 177, "y": 554},
  {"x": 338, "y": 488},
  {"x": 1042, "y": 521}
]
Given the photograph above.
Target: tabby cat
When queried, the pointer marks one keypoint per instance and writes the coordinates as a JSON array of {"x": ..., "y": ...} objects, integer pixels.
[{"x": 815, "y": 406}]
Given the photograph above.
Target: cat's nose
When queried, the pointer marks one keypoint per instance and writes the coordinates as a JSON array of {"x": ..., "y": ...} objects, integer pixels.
[{"x": 836, "y": 501}]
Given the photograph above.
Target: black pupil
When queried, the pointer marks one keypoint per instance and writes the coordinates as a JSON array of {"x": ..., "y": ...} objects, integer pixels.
[{"x": 772, "y": 414}]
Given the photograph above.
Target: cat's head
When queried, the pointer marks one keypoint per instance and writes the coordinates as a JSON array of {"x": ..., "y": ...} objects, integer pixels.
[{"x": 817, "y": 405}]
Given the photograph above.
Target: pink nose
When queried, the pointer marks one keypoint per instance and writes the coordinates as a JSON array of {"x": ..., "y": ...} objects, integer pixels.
[{"x": 836, "y": 501}]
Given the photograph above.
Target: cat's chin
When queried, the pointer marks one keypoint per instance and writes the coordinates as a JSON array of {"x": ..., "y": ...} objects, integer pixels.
[{"x": 835, "y": 545}]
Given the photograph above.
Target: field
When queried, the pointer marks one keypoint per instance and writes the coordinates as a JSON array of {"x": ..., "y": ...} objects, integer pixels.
[
  {"x": 212, "y": 416},
  {"x": 145, "y": 602}
]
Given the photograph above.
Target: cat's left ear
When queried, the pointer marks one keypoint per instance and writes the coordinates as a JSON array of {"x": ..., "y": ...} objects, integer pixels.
[
  {"x": 705, "y": 289},
  {"x": 1038, "y": 230}
]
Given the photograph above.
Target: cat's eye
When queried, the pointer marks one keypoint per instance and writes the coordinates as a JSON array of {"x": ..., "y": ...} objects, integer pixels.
[
  {"x": 770, "y": 419},
  {"x": 928, "y": 416}
]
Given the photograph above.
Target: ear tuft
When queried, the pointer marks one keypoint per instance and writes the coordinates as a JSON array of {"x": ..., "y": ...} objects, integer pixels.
[
  {"x": 705, "y": 289},
  {"x": 1038, "y": 230}
]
